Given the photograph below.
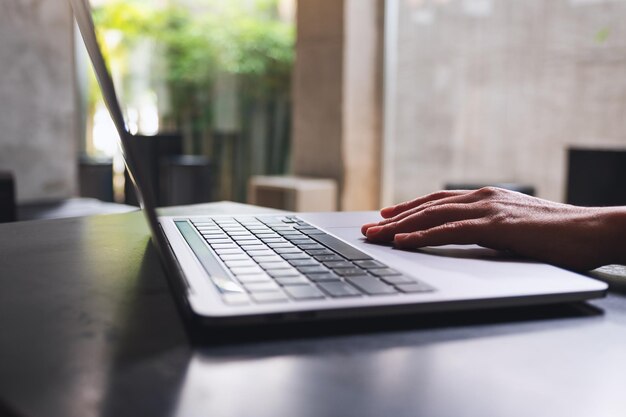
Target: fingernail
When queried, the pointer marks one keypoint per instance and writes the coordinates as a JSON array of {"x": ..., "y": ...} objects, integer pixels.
[
  {"x": 398, "y": 240},
  {"x": 373, "y": 230}
]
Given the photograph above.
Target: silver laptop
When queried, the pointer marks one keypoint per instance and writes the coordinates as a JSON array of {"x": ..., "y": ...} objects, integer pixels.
[{"x": 234, "y": 270}]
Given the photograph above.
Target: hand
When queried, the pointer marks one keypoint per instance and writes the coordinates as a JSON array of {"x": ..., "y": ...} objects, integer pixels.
[{"x": 573, "y": 237}]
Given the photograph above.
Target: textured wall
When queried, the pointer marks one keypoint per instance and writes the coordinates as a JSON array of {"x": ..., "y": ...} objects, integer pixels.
[
  {"x": 336, "y": 95},
  {"x": 496, "y": 90},
  {"x": 37, "y": 117},
  {"x": 362, "y": 106},
  {"x": 318, "y": 90}
]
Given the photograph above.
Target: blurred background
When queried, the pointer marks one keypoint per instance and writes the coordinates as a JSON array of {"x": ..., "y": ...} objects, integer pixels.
[{"x": 313, "y": 105}]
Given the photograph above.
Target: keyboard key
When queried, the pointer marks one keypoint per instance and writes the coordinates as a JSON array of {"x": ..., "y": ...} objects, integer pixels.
[
  {"x": 304, "y": 262},
  {"x": 248, "y": 220},
  {"x": 397, "y": 279},
  {"x": 245, "y": 239},
  {"x": 384, "y": 272},
  {"x": 236, "y": 231},
  {"x": 213, "y": 235},
  {"x": 327, "y": 258},
  {"x": 303, "y": 292},
  {"x": 415, "y": 287},
  {"x": 277, "y": 273},
  {"x": 339, "y": 289},
  {"x": 274, "y": 265},
  {"x": 327, "y": 276},
  {"x": 254, "y": 225},
  {"x": 253, "y": 246},
  {"x": 347, "y": 251},
  {"x": 243, "y": 232},
  {"x": 346, "y": 272},
  {"x": 310, "y": 232},
  {"x": 282, "y": 228},
  {"x": 371, "y": 285},
  {"x": 231, "y": 226},
  {"x": 282, "y": 245},
  {"x": 287, "y": 250},
  {"x": 236, "y": 299},
  {"x": 224, "y": 246},
  {"x": 290, "y": 234},
  {"x": 266, "y": 235},
  {"x": 241, "y": 263},
  {"x": 299, "y": 242},
  {"x": 254, "y": 253},
  {"x": 338, "y": 264},
  {"x": 246, "y": 270},
  {"x": 200, "y": 223},
  {"x": 269, "y": 240},
  {"x": 269, "y": 297},
  {"x": 216, "y": 237},
  {"x": 300, "y": 255},
  {"x": 255, "y": 287},
  {"x": 270, "y": 258},
  {"x": 260, "y": 228},
  {"x": 304, "y": 228},
  {"x": 244, "y": 279},
  {"x": 370, "y": 264},
  {"x": 315, "y": 252},
  {"x": 307, "y": 270},
  {"x": 221, "y": 220},
  {"x": 314, "y": 246},
  {"x": 209, "y": 229},
  {"x": 300, "y": 280},
  {"x": 218, "y": 241},
  {"x": 229, "y": 251},
  {"x": 238, "y": 257},
  {"x": 271, "y": 219}
]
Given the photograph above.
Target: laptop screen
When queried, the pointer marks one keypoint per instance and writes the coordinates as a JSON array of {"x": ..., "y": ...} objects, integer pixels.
[{"x": 147, "y": 202}]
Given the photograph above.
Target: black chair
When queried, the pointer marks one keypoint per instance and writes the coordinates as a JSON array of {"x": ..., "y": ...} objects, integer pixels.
[
  {"x": 148, "y": 152},
  {"x": 596, "y": 177},
  {"x": 95, "y": 178},
  {"x": 8, "y": 211},
  {"x": 185, "y": 179}
]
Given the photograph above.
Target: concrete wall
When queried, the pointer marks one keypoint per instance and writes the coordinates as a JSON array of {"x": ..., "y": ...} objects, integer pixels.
[
  {"x": 318, "y": 89},
  {"x": 337, "y": 104},
  {"x": 37, "y": 103},
  {"x": 495, "y": 91},
  {"x": 362, "y": 106}
]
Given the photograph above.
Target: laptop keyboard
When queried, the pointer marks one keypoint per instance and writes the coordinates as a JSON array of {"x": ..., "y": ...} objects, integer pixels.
[{"x": 283, "y": 259}]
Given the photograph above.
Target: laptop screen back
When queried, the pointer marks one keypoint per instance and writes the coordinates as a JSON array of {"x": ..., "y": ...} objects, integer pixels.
[{"x": 82, "y": 13}]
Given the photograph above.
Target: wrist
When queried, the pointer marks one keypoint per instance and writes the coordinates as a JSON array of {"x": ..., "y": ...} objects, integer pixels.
[{"x": 614, "y": 242}]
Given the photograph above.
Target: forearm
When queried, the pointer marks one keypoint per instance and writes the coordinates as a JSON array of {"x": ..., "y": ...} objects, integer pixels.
[{"x": 614, "y": 234}]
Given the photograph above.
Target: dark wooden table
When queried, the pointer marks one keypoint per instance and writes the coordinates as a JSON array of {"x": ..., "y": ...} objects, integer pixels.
[{"x": 88, "y": 328}]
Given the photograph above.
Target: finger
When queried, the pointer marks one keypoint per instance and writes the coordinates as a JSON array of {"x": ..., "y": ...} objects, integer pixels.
[
  {"x": 426, "y": 219},
  {"x": 392, "y": 211},
  {"x": 463, "y": 232},
  {"x": 462, "y": 197},
  {"x": 367, "y": 226}
]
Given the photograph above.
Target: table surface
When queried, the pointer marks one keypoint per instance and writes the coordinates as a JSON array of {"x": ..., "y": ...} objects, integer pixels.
[{"x": 89, "y": 328}]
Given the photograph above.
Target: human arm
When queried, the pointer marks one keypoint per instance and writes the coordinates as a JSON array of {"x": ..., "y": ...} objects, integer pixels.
[{"x": 573, "y": 237}]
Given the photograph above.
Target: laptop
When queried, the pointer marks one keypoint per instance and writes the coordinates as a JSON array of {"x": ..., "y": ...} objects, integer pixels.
[{"x": 242, "y": 270}]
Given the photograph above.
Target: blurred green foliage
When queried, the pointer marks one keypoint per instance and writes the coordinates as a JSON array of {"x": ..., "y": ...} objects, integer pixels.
[{"x": 202, "y": 38}]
